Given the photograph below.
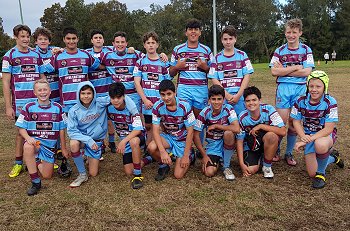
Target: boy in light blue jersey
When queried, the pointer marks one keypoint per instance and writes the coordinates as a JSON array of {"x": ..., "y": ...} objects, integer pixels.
[
  {"x": 41, "y": 123},
  {"x": 21, "y": 67},
  {"x": 231, "y": 69},
  {"x": 191, "y": 61},
  {"x": 87, "y": 127},
  {"x": 291, "y": 64},
  {"x": 176, "y": 118},
  {"x": 73, "y": 66},
  {"x": 149, "y": 71},
  {"x": 314, "y": 118},
  {"x": 262, "y": 128},
  {"x": 128, "y": 125},
  {"x": 221, "y": 122}
]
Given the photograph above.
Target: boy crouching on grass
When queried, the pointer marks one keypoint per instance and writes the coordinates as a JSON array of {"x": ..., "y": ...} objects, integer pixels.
[
  {"x": 222, "y": 125},
  {"x": 128, "y": 125},
  {"x": 87, "y": 127},
  {"x": 40, "y": 123},
  {"x": 262, "y": 128},
  {"x": 176, "y": 118}
]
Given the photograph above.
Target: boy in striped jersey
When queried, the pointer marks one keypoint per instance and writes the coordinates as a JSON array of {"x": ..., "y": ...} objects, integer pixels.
[{"x": 41, "y": 123}]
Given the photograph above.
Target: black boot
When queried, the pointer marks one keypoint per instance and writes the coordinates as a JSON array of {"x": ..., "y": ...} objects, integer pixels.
[{"x": 34, "y": 189}]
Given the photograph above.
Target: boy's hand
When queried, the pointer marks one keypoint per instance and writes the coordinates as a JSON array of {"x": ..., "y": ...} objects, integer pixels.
[
  {"x": 245, "y": 170},
  {"x": 165, "y": 158},
  {"x": 211, "y": 127},
  {"x": 306, "y": 139},
  {"x": 10, "y": 113},
  {"x": 299, "y": 146},
  {"x": 94, "y": 147},
  {"x": 148, "y": 104},
  {"x": 184, "y": 161},
  {"x": 131, "y": 50},
  {"x": 65, "y": 153},
  {"x": 277, "y": 64},
  {"x": 205, "y": 161},
  {"x": 121, "y": 147},
  {"x": 181, "y": 64},
  {"x": 163, "y": 57},
  {"x": 201, "y": 64},
  {"x": 233, "y": 99},
  {"x": 31, "y": 141},
  {"x": 255, "y": 130},
  {"x": 57, "y": 50}
]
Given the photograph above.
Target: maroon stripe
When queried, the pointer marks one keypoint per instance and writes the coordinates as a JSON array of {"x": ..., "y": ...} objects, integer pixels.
[{"x": 192, "y": 81}]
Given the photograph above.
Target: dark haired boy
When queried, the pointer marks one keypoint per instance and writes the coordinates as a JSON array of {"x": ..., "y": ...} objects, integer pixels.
[
  {"x": 176, "y": 118},
  {"x": 221, "y": 122},
  {"x": 128, "y": 125},
  {"x": 21, "y": 67},
  {"x": 262, "y": 128}
]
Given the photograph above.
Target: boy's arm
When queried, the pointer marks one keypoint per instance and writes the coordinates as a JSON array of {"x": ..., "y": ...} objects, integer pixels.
[
  {"x": 298, "y": 127},
  {"x": 244, "y": 167},
  {"x": 123, "y": 142},
  {"x": 302, "y": 72},
  {"x": 163, "y": 153},
  {"x": 75, "y": 134},
  {"x": 233, "y": 127},
  {"x": 281, "y": 131},
  {"x": 243, "y": 86},
  {"x": 185, "y": 160},
  {"x": 6, "y": 83},
  {"x": 326, "y": 131},
  {"x": 64, "y": 149},
  {"x": 279, "y": 70}
]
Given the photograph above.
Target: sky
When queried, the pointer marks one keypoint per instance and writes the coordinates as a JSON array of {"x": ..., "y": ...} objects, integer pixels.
[{"x": 33, "y": 10}]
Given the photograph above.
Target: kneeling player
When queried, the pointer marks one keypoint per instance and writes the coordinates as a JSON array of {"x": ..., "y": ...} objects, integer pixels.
[
  {"x": 261, "y": 127},
  {"x": 221, "y": 122},
  {"x": 128, "y": 125},
  {"x": 40, "y": 124},
  {"x": 314, "y": 117},
  {"x": 177, "y": 119},
  {"x": 87, "y": 127}
]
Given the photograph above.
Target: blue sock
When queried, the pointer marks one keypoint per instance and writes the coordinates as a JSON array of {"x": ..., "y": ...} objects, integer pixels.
[
  {"x": 227, "y": 157},
  {"x": 322, "y": 162},
  {"x": 19, "y": 162},
  {"x": 291, "y": 140},
  {"x": 137, "y": 169},
  {"x": 267, "y": 163},
  {"x": 202, "y": 136},
  {"x": 35, "y": 177},
  {"x": 331, "y": 160},
  {"x": 58, "y": 144},
  {"x": 161, "y": 165},
  {"x": 111, "y": 138},
  {"x": 79, "y": 162}
]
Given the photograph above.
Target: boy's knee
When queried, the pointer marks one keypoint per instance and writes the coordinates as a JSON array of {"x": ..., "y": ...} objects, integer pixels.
[
  {"x": 46, "y": 175},
  {"x": 152, "y": 147},
  {"x": 134, "y": 142},
  {"x": 29, "y": 149},
  {"x": 271, "y": 138}
]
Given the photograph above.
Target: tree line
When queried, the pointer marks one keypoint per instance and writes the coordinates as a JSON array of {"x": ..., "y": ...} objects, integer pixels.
[{"x": 260, "y": 24}]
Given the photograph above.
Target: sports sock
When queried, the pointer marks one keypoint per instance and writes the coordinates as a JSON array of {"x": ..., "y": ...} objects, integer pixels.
[
  {"x": 137, "y": 169},
  {"x": 161, "y": 165},
  {"x": 147, "y": 160},
  {"x": 228, "y": 152},
  {"x": 19, "y": 160},
  {"x": 267, "y": 163},
  {"x": 291, "y": 140},
  {"x": 331, "y": 160},
  {"x": 111, "y": 138},
  {"x": 202, "y": 136},
  {"x": 322, "y": 162},
  {"x": 35, "y": 177},
  {"x": 79, "y": 162}
]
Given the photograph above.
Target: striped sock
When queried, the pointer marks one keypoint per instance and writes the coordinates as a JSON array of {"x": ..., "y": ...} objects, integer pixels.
[
  {"x": 19, "y": 160},
  {"x": 147, "y": 160},
  {"x": 111, "y": 138},
  {"x": 322, "y": 162},
  {"x": 35, "y": 177},
  {"x": 137, "y": 169},
  {"x": 79, "y": 162},
  {"x": 267, "y": 163}
]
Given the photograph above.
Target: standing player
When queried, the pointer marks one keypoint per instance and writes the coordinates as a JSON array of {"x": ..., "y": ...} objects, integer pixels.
[
  {"x": 129, "y": 127},
  {"x": 176, "y": 118},
  {"x": 101, "y": 79},
  {"x": 20, "y": 68},
  {"x": 191, "y": 62},
  {"x": 262, "y": 128},
  {"x": 231, "y": 69},
  {"x": 120, "y": 65},
  {"x": 41, "y": 123},
  {"x": 73, "y": 66},
  {"x": 221, "y": 122},
  {"x": 148, "y": 74},
  {"x": 291, "y": 64},
  {"x": 315, "y": 116}
]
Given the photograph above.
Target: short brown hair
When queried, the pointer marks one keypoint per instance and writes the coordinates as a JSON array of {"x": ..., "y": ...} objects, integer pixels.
[
  {"x": 230, "y": 30},
  {"x": 150, "y": 34},
  {"x": 41, "y": 81},
  {"x": 42, "y": 31},
  {"x": 20, "y": 27},
  {"x": 294, "y": 23}
]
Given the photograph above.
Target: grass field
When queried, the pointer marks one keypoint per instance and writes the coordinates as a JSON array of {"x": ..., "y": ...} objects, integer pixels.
[{"x": 107, "y": 201}]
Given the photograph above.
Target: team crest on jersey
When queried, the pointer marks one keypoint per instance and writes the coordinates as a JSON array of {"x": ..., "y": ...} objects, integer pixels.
[
  {"x": 302, "y": 111},
  {"x": 34, "y": 116},
  {"x": 300, "y": 58},
  {"x": 144, "y": 68},
  {"x": 83, "y": 61},
  {"x": 64, "y": 63},
  {"x": 17, "y": 61},
  {"x": 238, "y": 65},
  {"x": 111, "y": 116},
  {"x": 129, "y": 62},
  {"x": 35, "y": 60},
  {"x": 54, "y": 116},
  {"x": 220, "y": 67},
  {"x": 284, "y": 58},
  {"x": 201, "y": 55},
  {"x": 159, "y": 69},
  {"x": 182, "y": 55},
  {"x": 111, "y": 62}
]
